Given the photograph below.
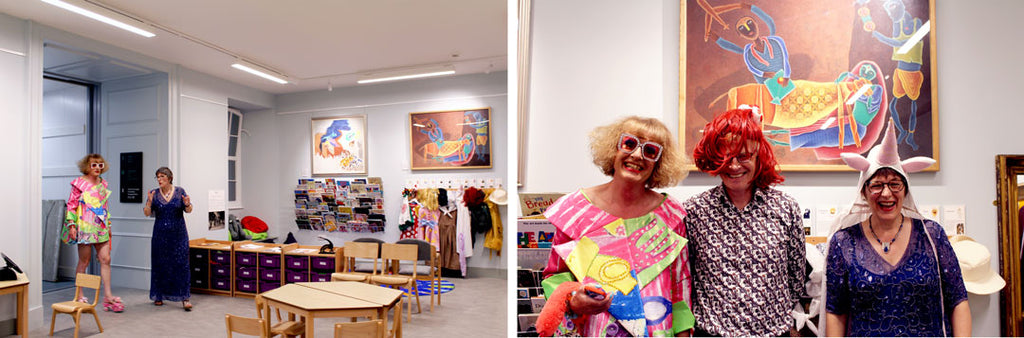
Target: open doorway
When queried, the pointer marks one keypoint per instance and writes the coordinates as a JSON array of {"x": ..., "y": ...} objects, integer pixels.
[{"x": 68, "y": 110}]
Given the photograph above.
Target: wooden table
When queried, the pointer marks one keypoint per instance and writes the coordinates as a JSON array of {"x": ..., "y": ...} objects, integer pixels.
[
  {"x": 337, "y": 299},
  {"x": 20, "y": 286}
]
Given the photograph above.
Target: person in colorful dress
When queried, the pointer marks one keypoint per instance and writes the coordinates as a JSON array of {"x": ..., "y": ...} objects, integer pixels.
[
  {"x": 618, "y": 265},
  {"x": 169, "y": 278},
  {"x": 87, "y": 223},
  {"x": 746, "y": 239},
  {"x": 881, "y": 280}
]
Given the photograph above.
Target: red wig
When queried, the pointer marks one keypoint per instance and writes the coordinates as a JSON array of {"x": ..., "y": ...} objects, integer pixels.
[{"x": 724, "y": 138}]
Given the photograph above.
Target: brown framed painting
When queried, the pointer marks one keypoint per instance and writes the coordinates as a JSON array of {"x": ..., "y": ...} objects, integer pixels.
[
  {"x": 826, "y": 75},
  {"x": 338, "y": 145},
  {"x": 452, "y": 139}
]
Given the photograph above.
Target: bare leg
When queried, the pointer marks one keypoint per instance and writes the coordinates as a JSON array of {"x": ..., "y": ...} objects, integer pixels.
[
  {"x": 103, "y": 253},
  {"x": 84, "y": 256}
]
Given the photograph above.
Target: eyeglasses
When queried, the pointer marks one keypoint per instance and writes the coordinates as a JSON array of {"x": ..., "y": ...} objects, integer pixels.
[
  {"x": 97, "y": 165},
  {"x": 745, "y": 157},
  {"x": 877, "y": 187},
  {"x": 651, "y": 150}
]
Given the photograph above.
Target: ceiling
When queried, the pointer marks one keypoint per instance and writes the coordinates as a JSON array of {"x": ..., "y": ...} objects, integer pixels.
[{"x": 316, "y": 43}]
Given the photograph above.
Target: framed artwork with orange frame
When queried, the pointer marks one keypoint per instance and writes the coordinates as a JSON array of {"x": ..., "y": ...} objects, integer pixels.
[
  {"x": 826, "y": 75},
  {"x": 453, "y": 139}
]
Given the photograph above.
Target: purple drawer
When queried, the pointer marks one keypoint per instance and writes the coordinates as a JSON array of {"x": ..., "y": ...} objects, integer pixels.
[
  {"x": 245, "y": 258},
  {"x": 270, "y": 275},
  {"x": 270, "y": 261},
  {"x": 322, "y": 263},
  {"x": 319, "y": 277},
  {"x": 247, "y": 272},
  {"x": 296, "y": 262},
  {"x": 296, "y": 276},
  {"x": 198, "y": 255},
  {"x": 222, "y": 257},
  {"x": 267, "y": 286},
  {"x": 199, "y": 282},
  {"x": 246, "y": 285},
  {"x": 221, "y": 270},
  {"x": 220, "y": 283}
]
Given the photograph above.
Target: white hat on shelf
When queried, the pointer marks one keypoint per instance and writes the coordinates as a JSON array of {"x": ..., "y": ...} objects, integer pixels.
[
  {"x": 499, "y": 196},
  {"x": 974, "y": 260}
]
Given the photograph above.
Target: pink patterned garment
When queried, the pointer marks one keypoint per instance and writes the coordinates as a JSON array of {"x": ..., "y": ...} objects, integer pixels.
[{"x": 652, "y": 244}]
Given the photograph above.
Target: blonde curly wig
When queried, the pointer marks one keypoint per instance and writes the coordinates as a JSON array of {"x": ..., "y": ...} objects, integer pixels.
[{"x": 669, "y": 170}]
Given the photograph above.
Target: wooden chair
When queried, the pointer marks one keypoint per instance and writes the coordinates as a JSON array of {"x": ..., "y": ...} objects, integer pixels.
[
  {"x": 365, "y": 329},
  {"x": 351, "y": 252},
  {"x": 394, "y": 254},
  {"x": 76, "y": 308},
  {"x": 246, "y": 325},
  {"x": 429, "y": 271},
  {"x": 288, "y": 328}
]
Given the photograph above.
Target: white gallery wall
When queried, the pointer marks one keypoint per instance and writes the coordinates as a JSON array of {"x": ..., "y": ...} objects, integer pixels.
[
  {"x": 615, "y": 59},
  {"x": 386, "y": 107}
]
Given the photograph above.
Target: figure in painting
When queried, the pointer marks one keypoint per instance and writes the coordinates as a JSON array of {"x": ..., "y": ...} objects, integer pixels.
[
  {"x": 907, "y": 78},
  {"x": 335, "y": 141},
  {"x": 479, "y": 123},
  {"x": 766, "y": 57},
  {"x": 450, "y": 152}
]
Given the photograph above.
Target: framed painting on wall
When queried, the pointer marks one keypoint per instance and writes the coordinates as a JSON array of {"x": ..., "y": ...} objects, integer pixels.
[
  {"x": 338, "y": 145},
  {"x": 826, "y": 75},
  {"x": 454, "y": 139}
]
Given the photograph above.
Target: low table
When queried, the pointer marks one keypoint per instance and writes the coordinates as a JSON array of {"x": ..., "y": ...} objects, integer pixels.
[
  {"x": 337, "y": 299},
  {"x": 20, "y": 286}
]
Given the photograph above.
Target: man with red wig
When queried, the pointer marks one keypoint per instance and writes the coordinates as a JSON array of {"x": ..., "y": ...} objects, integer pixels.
[{"x": 746, "y": 238}]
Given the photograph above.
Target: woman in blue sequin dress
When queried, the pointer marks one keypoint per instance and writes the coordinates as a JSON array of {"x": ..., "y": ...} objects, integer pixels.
[
  {"x": 170, "y": 276},
  {"x": 890, "y": 272}
]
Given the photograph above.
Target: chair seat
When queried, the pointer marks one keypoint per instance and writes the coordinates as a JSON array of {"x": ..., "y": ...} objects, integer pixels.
[
  {"x": 70, "y": 306},
  {"x": 348, "y": 277},
  {"x": 391, "y": 280},
  {"x": 290, "y": 328}
]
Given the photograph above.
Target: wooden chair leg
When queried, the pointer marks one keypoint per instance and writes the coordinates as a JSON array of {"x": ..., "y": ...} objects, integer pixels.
[
  {"x": 97, "y": 320},
  {"x": 52, "y": 320},
  {"x": 77, "y": 315}
]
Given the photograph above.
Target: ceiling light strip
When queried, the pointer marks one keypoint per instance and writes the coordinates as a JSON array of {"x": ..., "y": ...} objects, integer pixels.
[
  {"x": 406, "y": 77},
  {"x": 255, "y": 70},
  {"x": 12, "y": 52},
  {"x": 100, "y": 17}
]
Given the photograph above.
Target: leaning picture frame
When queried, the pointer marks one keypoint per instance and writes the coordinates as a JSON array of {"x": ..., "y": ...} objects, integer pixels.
[
  {"x": 452, "y": 139},
  {"x": 338, "y": 145},
  {"x": 826, "y": 75}
]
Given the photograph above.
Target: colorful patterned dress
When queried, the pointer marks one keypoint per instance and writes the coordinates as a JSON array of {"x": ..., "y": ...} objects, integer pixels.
[
  {"x": 87, "y": 211},
  {"x": 641, "y": 261},
  {"x": 169, "y": 279}
]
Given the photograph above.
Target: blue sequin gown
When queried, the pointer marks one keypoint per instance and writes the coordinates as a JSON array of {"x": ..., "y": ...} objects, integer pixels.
[
  {"x": 881, "y": 299},
  {"x": 169, "y": 279}
]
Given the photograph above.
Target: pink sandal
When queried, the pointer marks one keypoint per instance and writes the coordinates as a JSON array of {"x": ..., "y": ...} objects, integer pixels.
[
  {"x": 113, "y": 304},
  {"x": 83, "y": 300}
]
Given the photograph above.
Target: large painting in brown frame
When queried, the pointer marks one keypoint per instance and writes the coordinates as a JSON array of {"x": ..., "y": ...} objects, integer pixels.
[
  {"x": 826, "y": 74},
  {"x": 453, "y": 139}
]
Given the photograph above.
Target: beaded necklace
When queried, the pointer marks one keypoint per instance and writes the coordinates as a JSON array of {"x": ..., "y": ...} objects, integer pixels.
[{"x": 885, "y": 246}]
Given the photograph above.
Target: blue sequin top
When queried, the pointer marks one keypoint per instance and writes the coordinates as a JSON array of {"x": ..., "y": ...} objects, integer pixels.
[{"x": 881, "y": 299}]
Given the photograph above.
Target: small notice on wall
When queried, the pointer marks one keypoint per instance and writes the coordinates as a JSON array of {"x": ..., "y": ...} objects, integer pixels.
[
  {"x": 131, "y": 177},
  {"x": 215, "y": 200}
]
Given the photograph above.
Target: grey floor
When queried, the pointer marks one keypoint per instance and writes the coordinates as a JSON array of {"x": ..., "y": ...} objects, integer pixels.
[{"x": 476, "y": 307}]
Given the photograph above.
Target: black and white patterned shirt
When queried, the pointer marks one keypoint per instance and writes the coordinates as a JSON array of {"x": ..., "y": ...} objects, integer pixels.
[{"x": 747, "y": 265}]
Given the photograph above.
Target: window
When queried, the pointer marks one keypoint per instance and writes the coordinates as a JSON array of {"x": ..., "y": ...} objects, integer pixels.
[{"x": 234, "y": 159}]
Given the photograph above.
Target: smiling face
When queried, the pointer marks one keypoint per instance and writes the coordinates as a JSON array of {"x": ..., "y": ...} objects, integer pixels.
[
  {"x": 741, "y": 169},
  {"x": 96, "y": 167},
  {"x": 636, "y": 159},
  {"x": 885, "y": 192}
]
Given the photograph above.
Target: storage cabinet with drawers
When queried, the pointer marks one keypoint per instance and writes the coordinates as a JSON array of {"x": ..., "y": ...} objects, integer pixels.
[
  {"x": 210, "y": 262},
  {"x": 305, "y": 263}
]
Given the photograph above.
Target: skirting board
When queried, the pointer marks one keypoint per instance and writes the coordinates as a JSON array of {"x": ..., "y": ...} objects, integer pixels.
[{"x": 487, "y": 273}]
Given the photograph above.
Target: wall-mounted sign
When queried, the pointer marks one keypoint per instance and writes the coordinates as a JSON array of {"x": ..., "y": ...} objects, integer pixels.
[{"x": 131, "y": 177}]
